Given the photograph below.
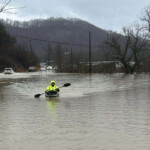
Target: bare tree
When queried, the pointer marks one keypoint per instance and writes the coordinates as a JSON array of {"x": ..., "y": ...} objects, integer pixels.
[
  {"x": 146, "y": 18},
  {"x": 129, "y": 49},
  {"x": 105, "y": 52},
  {"x": 4, "y": 6},
  {"x": 146, "y": 25}
]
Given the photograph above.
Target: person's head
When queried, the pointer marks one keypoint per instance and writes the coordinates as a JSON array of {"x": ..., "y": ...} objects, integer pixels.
[{"x": 52, "y": 83}]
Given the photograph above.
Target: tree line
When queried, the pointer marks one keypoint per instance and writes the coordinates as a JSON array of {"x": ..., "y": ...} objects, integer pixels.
[{"x": 12, "y": 55}]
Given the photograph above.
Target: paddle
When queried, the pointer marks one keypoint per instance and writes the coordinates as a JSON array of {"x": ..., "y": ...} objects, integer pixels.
[{"x": 65, "y": 85}]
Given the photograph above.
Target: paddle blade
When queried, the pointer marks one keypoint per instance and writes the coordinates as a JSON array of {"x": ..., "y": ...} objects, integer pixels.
[
  {"x": 37, "y": 95},
  {"x": 66, "y": 85}
]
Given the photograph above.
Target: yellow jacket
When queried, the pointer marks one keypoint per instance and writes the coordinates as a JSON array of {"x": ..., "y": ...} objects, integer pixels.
[{"x": 52, "y": 88}]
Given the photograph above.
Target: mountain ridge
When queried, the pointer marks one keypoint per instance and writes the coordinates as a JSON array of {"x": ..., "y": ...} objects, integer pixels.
[{"x": 55, "y": 29}]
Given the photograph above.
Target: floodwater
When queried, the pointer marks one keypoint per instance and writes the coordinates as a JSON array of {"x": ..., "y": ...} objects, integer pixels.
[{"x": 97, "y": 112}]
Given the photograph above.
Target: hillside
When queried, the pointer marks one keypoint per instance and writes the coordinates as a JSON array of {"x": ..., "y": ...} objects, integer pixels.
[
  {"x": 62, "y": 30},
  {"x": 13, "y": 56}
]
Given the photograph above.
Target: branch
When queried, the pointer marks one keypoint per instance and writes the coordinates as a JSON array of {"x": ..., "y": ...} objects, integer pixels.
[{"x": 4, "y": 7}]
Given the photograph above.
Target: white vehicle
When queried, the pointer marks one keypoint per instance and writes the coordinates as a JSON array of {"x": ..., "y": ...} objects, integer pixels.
[
  {"x": 49, "y": 67},
  {"x": 43, "y": 69},
  {"x": 31, "y": 69},
  {"x": 8, "y": 71}
]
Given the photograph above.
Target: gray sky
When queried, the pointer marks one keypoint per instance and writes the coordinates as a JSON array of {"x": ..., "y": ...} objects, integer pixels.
[{"x": 106, "y": 14}]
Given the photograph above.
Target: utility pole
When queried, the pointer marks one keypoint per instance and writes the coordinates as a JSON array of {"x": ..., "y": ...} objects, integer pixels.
[
  {"x": 71, "y": 60},
  {"x": 90, "y": 63},
  {"x": 30, "y": 44},
  {"x": 49, "y": 54},
  {"x": 71, "y": 57}
]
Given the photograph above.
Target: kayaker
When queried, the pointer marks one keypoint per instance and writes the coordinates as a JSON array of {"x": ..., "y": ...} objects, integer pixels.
[{"x": 52, "y": 88}]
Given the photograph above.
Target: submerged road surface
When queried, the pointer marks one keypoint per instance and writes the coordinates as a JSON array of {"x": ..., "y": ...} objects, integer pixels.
[{"x": 98, "y": 112}]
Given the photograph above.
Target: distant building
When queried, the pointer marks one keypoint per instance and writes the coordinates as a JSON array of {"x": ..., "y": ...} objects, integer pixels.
[{"x": 95, "y": 63}]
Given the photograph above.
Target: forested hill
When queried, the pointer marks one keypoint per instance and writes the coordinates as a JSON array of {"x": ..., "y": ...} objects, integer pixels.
[
  {"x": 52, "y": 29},
  {"x": 13, "y": 56}
]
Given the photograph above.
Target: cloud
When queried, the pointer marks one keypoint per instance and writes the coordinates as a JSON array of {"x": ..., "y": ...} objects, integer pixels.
[{"x": 108, "y": 14}]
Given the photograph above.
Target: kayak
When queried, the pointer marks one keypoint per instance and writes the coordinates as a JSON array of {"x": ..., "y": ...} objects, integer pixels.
[{"x": 52, "y": 94}]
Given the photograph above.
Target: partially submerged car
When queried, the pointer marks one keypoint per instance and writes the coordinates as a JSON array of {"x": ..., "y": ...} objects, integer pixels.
[{"x": 8, "y": 71}]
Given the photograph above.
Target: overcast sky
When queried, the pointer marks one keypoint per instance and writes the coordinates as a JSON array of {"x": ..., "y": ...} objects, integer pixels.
[{"x": 106, "y": 14}]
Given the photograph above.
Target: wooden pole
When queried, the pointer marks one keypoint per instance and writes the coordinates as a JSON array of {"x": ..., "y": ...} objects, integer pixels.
[{"x": 90, "y": 60}]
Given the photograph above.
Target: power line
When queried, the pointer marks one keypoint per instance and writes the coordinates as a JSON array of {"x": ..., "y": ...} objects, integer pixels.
[
  {"x": 56, "y": 42},
  {"x": 49, "y": 41}
]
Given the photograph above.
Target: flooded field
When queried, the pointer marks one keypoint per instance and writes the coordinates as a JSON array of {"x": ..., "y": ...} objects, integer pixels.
[{"x": 97, "y": 112}]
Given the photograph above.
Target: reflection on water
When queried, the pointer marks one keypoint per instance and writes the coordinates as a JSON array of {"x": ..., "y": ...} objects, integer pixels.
[
  {"x": 51, "y": 107},
  {"x": 96, "y": 112}
]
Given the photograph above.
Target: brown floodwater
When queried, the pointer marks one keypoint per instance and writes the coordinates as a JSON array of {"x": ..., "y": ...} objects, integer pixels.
[{"x": 97, "y": 112}]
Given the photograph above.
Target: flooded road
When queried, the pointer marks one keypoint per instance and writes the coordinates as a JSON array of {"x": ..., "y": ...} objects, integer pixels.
[{"x": 98, "y": 112}]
